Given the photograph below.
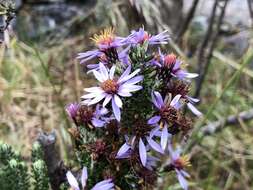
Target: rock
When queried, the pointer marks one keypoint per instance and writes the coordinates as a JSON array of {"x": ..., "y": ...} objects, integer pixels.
[
  {"x": 237, "y": 13},
  {"x": 34, "y": 21}
]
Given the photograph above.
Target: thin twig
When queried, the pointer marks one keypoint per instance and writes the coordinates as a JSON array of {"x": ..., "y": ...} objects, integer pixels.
[
  {"x": 216, "y": 126},
  {"x": 209, "y": 53},
  {"x": 250, "y": 5},
  {"x": 208, "y": 44},
  {"x": 55, "y": 166},
  {"x": 187, "y": 21},
  {"x": 204, "y": 43}
]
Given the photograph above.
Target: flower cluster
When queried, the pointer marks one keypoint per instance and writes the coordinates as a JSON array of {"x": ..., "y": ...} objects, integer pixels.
[{"x": 128, "y": 120}]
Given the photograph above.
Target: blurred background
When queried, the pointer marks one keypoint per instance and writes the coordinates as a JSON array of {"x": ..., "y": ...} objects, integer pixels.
[{"x": 39, "y": 73}]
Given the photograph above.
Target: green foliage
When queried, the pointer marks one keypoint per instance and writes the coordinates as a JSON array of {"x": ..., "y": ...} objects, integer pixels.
[
  {"x": 39, "y": 168},
  {"x": 41, "y": 180},
  {"x": 13, "y": 171},
  {"x": 37, "y": 152},
  {"x": 6, "y": 154}
]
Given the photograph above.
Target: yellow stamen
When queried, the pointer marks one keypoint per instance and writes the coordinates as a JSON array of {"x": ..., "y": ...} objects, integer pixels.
[
  {"x": 106, "y": 36},
  {"x": 183, "y": 161},
  {"x": 161, "y": 125}
]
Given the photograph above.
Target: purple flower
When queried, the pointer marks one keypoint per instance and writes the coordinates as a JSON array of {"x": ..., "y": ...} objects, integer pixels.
[
  {"x": 140, "y": 36},
  {"x": 122, "y": 56},
  {"x": 87, "y": 115},
  {"x": 99, "y": 119},
  {"x": 111, "y": 88},
  {"x": 128, "y": 147},
  {"x": 173, "y": 64},
  {"x": 179, "y": 163},
  {"x": 165, "y": 108},
  {"x": 105, "y": 41},
  {"x": 72, "y": 110},
  {"x": 103, "y": 185}
]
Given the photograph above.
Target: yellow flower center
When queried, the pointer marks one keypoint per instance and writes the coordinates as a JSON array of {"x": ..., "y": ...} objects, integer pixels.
[
  {"x": 110, "y": 86},
  {"x": 105, "y": 37},
  {"x": 182, "y": 162}
]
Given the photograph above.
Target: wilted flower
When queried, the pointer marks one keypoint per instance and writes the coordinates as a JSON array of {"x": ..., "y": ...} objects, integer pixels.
[
  {"x": 103, "y": 185},
  {"x": 106, "y": 42},
  {"x": 82, "y": 114},
  {"x": 106, "y": 60},
  {"x": 167, "y": 113},
  {"x": 72, "y": 110},
  {"x": 111, "y": 88},
  {"x": 179, "y": 163},
  {"x": 140, "y": 36}
]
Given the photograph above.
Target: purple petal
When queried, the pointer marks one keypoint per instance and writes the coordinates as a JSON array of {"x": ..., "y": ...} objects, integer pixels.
[
  {"x": 116, "y": 110},
  {"x": 194, "y": 109},
  {"x": 142, "y": 152},
  {"x": 175, "y": 100},
  {"x": 97, "y": 99},
  {"x": 135, "y": 80},
  {"x": 155, "y": 145},
  {"x": 88, "y": 55},
  {"x": 184, "y": 173},
  {"x": 103, "y": 71},
  {"x": 183, "y": 182},
  {"x": 127, "y": 77},
  {"x": 97, "y": 122},
  {"x": 104, "y": 185},
  {"x": 93, "y": 89},
  {"x": 154, "y": 120},
  {"x": 195, "y": 100},
  {"x": 118, "y": 101},
  {"x": 174, "y": 154},
  {"x": 112, "y": 71},
  {"x": 72, "y": 181},
  {"x": 164, "y": 137},
  {"x": 123, "y": 149},
  {"x": 84, "y": 177},
  {"x": 157, "y": 99},
  {"x": 191, "y": 75},
  {"x": 124, "y": 92},
  {"x": 130, "y": 88},
  {"x": 151, "y": 162},
  {"x": 126, "y": 73},
  {"x": 98, "y": 76},
  {"x": 107, "y": 99},
  {"x": 72, "y": 109},
  {"x": 155, "y": 132}
]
